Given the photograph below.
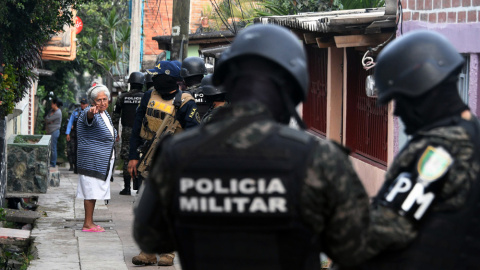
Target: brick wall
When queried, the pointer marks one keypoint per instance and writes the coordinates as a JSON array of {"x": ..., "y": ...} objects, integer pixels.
[
  {"x": 157, "y": 21},
  {"x": 441, "y": 11},
  {"x": 196, "y": 13}
]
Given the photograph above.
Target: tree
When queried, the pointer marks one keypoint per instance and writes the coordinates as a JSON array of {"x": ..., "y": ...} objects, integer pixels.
[
  {"x": 25, "y": 26},
  {"x": 103, "y": 45},
  {"x": 227, "y": 14}
]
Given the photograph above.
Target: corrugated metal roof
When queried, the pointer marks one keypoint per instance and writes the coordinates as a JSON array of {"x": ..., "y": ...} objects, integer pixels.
[
  {"x": 213, "y": 51},
  {"x": 342, "y": 21}
]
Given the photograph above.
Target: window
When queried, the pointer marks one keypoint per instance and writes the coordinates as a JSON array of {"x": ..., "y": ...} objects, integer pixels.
[
  {"x": 366, "y": 123},
  {"x": 463, "y": 80},
  {"x": 315, "y": 108}
]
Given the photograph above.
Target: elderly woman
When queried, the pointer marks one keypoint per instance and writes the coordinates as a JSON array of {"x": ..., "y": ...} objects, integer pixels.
[{"x": 95, "y": 153}]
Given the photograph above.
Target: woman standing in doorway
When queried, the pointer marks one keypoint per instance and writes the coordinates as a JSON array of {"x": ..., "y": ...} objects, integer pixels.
[{"x": 53, "y": 121}]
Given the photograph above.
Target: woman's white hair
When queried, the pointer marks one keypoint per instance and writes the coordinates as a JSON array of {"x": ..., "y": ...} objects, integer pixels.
[{"x": 93, "y": 92}]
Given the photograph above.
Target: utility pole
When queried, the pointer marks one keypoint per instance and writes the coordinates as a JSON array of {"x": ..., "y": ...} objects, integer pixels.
[
  {"x": 180, "y": 29},
  {"x": 135, "y": 36}
]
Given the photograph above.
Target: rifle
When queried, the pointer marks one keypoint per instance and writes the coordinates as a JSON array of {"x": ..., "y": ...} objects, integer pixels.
[{"x": 168, "y": 127}]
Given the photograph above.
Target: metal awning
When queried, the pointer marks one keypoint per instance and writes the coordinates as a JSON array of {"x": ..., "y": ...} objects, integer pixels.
[
  {"x": 214, "y": 52},
  {"x": 364, "y": 21},
  {"x": 341, "y": 28}
]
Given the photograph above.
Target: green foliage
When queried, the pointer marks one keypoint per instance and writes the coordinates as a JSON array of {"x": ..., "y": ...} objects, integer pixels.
[
  {"x": 6, "y": 256},
  {"x": 104, "y": 43},
  {"x": 3, "y": 214},
  {"x": 230, "y": 14},
  {"x": 63, "y": 93},
  {"x": 242, "y": 12},
  {"x": 39, "y": 123},
  {"x": 289, "y": 7},
  {"x": 358, "y": 4},
  {"x": 8, "y": 84},
  {"x": 25, "y": 26},
  {"x": 269, "y": 8}
]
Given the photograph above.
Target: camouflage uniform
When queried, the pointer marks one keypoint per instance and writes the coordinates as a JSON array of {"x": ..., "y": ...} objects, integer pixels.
[
  {"x": 124, "y": 112},
  {"x": 392, "y": 232},
  {"x": 125, "y": 148},
  {"x": 331, "y": 200},
  {"x": 208, "y": 115}
]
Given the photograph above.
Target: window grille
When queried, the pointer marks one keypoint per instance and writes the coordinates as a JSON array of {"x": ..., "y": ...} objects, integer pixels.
[
  {"x": 366, "y": 124},
  {"x": 315, "y": 108}
]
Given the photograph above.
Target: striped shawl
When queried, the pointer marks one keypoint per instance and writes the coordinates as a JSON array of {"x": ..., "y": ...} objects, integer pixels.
[{"x": 95, "y": 145}]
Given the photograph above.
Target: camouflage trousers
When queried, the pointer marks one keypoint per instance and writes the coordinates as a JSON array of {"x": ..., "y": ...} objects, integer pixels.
[
  {"x": 124, "y": 151},
  {"x": 72, "y": 148}
]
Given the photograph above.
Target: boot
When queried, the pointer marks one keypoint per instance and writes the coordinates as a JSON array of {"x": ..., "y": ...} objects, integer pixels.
[
  {"x": 166, "y": 259},
  {"x": 125, "y": 191},
  {"x": 71, "y": 167},
  {"x": 144, "y": 259}
]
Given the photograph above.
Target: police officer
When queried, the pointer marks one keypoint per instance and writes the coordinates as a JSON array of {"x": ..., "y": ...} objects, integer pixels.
[
  {"x": 124, "y": 110},
  {"x": 428, "y": 209},
  {"x": 245, "y": 191},
  {"x": 214, "y": 95},
  {"x": 154, "y": 107},
  {"x": 71, "y": 133},
  {"x": 148, "y": 81},
  {"x": 193, "y": 71}
]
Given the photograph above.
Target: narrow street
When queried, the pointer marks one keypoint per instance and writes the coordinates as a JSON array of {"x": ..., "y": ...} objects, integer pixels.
[{"x": 62, "y": 245}]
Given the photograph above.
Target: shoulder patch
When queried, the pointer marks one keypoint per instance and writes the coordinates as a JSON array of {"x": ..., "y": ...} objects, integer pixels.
[
  {"x": 433, "y": 164},
  {"x": 197, "y": 117},
  {"x": 293, "y": 134}
]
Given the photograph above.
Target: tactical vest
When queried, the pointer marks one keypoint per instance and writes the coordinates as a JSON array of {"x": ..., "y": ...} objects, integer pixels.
[
  {"x": 239, "y": 209},
  {"x": 202, "y": 104},
  {"x": 446, "y": 240},
  {"x": 130, "y": 102},
  {"x": 157, "y": 109}
]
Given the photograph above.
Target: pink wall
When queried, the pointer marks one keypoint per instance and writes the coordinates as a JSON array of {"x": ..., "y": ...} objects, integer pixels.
[{"x": 459, "y": 22}]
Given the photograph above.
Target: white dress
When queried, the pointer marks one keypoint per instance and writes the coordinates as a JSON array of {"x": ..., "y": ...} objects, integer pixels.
[{"x": 91, "y": 188}]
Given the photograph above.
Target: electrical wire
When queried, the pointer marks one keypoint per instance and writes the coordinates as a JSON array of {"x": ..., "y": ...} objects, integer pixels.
[
  {"x": 239, "y": 3},
  {"x": 232, "y": 16},
  {"x": 217, "y": 10},
  {"x": 168, "y": 16},
  {"x": 367, "y": 61}
]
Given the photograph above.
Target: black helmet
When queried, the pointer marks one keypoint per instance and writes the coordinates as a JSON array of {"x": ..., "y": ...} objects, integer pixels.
[
  {"x": 414, "y": 64},
  {"x": 208, "y": 88},
  {"x": 262, "y": 41},
  {"x": 136, "y": 77},
  {"x": 148, "y": 78},
  {"x": 192, "y": 66}
]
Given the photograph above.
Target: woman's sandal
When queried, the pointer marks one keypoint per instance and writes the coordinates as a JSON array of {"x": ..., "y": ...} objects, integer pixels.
[{"x": 94, "y": 229}]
